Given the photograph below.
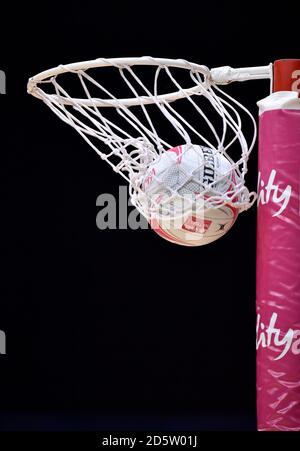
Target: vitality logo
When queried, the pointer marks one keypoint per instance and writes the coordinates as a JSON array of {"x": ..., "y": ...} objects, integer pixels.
[
  {"x": 270, "y": 192},
  {"x": 270, "y": 336}
]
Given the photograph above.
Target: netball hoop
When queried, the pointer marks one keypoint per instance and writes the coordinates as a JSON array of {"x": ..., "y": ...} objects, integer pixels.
[
  {"x": 143, "y": 115},
  {"x": 131, "y": 111}
]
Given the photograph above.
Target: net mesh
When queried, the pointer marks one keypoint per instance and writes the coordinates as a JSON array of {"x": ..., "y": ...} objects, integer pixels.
[{"x": 133, "y": 135}]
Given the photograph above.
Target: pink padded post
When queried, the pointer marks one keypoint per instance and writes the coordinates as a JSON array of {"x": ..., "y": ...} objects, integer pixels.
[{"x": 278, "y": 261}]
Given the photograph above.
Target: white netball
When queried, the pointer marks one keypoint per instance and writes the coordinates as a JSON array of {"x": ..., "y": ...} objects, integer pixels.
[{"x": 179, "y": 186}]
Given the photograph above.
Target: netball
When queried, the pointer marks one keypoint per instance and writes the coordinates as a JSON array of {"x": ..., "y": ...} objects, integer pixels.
[{"x": 177, "y": 183}]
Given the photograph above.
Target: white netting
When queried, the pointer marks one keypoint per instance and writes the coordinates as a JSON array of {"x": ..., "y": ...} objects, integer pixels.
[{"x": 162, "y": 111}]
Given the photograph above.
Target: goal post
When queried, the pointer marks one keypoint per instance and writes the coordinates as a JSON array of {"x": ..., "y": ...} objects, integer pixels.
[{"x": 278, "y": 253}]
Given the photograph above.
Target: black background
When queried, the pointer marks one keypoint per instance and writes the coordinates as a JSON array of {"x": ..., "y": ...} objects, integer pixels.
[{"x": 113, "y": 325}]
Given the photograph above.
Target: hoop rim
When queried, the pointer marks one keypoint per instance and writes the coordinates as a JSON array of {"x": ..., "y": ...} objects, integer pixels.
[{"x": 33, "y": 89}]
